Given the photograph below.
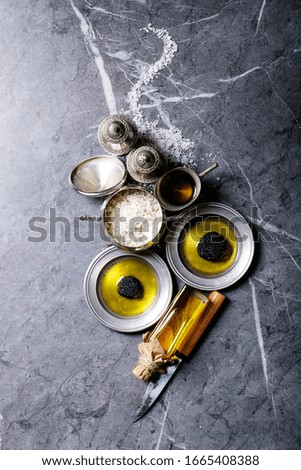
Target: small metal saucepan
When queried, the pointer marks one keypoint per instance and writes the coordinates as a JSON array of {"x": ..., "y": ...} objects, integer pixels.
[
  {"x": 132, "y": 218},
  {"x": 180, "y": 187}
]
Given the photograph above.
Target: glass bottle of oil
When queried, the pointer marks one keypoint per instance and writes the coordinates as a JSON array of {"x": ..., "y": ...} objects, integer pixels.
[{"x": 182, "y": 315}]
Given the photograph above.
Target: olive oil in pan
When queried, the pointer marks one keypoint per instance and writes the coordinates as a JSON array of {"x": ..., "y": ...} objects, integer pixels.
[{"x": 178, "y": 188}]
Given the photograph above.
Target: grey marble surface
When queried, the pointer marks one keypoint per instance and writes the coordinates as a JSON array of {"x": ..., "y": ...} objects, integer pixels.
[{"x": 232, "y": 88}]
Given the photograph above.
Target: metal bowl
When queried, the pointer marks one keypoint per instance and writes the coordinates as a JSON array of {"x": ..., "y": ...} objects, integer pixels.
[
  {"x": 117, "y": 322},
  {"x": 106, "y": 218},
  {"x": 98, "y": 176},
  {"x": 181, "y": 171},
  {"x": 245, "y": 246}
]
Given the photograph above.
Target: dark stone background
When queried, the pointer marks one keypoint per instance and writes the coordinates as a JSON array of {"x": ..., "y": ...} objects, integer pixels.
[{"x": 66, "y": 380}]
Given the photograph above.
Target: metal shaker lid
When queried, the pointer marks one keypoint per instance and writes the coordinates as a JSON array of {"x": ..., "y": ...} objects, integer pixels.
[
  {"x": 117, "y": 134},
  {"x": 145, "y": 164},
  {"x": 98, "y": 176}
]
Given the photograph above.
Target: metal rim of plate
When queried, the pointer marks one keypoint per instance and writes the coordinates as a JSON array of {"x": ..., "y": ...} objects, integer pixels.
[
  {"x": 245, "y": 247},
  {"x": 118, "y": 322},
  {"x": 99, "y": 160}
]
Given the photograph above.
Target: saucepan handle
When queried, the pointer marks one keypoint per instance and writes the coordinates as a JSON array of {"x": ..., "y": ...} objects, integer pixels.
[{"x": 212, "y": 167}]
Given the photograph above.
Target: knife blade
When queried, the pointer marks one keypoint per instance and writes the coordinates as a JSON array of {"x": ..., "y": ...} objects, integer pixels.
[
  {"x": 184, "y": 348},
  {"x": 154, "y": 390}
]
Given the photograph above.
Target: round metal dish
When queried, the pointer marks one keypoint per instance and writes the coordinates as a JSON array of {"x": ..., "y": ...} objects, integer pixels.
[
  {"x": 108, "y": 218},
  {"x": 245, "y": 246},
  {"x": 113, "y": 320},
  {"x": 98, "y": 176}
]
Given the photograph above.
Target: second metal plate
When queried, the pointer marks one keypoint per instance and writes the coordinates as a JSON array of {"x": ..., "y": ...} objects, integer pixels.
[
  {"x": 135, "y": 323},
  {"x": 245, "y": 247}
]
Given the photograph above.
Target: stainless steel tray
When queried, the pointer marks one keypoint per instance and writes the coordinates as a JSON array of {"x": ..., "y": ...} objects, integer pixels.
[
  {"x": 245, "y": 247},
  {"x": 113, "y": 320}
]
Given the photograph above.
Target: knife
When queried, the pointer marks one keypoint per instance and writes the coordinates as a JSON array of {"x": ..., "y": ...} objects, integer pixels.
[{"x": 184, "y": 347}]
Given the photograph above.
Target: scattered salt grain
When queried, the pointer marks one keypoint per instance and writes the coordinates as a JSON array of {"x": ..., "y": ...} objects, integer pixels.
[{"x": 170, "y": 140}]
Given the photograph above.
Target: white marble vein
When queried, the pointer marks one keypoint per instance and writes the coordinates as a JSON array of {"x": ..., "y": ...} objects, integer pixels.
[
  {"x": 259, "y": 335},
  {"x": 166, "y": 409},
  {"x": 280, "y": 294},
  {"x": 89, "y": 36},
  {"x": 260, "y": 16},
  {"x": 251, "y": 192},
  {"x": 272, "y": 228},
  {"x": 176, "y": 99},
  {"x": 202, "y": 121},
  {"x": 289, "y": 254},
  {"x": 1, "y": 430},
  {"x": 275, "y": 89},
  {"x": 165, "y": 434},
  {"x": 267, "y": 226},
  {"x": 233, "y": 79},
  {"x": 274, "y": 405},
  {"x": 178, "y": 85},
  {"x": 200, "y": 20},
  {"x": 110, "y": 13},
  {"x": 161, "y": 111},
  {"x": 286, "y": 306}
]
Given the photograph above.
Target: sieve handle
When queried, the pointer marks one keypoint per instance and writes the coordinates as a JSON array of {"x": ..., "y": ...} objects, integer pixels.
[{"x": 90, "y": 217}]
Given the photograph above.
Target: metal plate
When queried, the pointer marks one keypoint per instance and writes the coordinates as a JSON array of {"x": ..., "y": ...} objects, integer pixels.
[
  {"x": 98, "y": 176},
  {"x": 118, "y": 322},
  {"x": 245, "y": 247}
]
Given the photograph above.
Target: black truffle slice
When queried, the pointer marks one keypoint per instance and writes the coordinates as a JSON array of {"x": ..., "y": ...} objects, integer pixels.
[
  {"x": 130, "y": 287},
  {"x": 212, "y": 246}
]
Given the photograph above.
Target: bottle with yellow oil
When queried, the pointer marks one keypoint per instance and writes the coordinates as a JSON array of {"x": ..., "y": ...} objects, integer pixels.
[{"x": 183, "y": 314}]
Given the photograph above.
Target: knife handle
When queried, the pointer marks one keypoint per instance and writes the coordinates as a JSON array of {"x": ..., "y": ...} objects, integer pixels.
[{"x": 188, "y": 343}]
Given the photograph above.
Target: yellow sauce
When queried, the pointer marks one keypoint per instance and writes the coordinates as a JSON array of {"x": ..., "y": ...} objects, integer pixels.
[
  {"x": 190, "y": 242},
  {"x": 109, "y": 285}
]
